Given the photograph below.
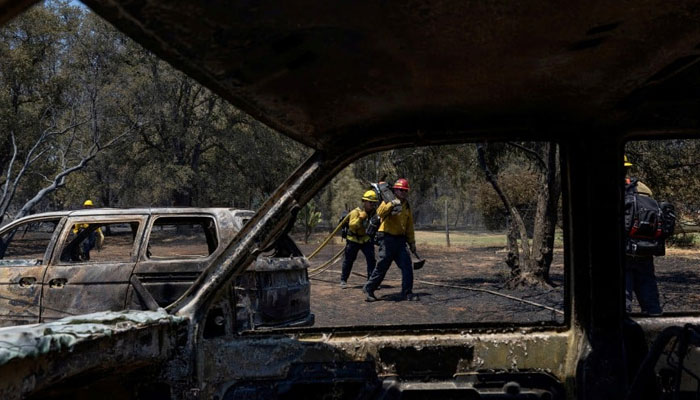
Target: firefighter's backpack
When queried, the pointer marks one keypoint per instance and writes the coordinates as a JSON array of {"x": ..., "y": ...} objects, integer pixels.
[{"x": 647, "y": 223}]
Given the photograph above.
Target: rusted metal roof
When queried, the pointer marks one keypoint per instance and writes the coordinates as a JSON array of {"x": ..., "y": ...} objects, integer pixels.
[
  {"x": 333, "y": 74},
  {"x": 145, "y": 210}
]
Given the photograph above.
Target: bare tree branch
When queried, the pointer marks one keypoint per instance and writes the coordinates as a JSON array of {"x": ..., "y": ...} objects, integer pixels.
[
  {"x": 5, "y": 200},
  {"x": 60, "y": 179},
  {"x": 538, "y": 158}
]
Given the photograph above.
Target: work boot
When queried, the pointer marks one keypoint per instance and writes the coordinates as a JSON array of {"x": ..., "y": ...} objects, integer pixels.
[
  {"x": 343, "y": 285},
  {"x": 369, "y": 294},
  {"x": 412, "y": 297},
  {"x": 378, "y": 286}
]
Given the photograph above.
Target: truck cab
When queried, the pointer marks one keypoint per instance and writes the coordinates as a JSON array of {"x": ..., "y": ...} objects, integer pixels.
[{"x": 349, "y": 80}]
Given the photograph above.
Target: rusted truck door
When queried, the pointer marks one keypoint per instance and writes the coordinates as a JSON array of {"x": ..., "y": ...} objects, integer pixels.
[
  {"x": 177, "y": 248},
  {"x": 25, "y": 249},
  {"x": 84, "y": 278}
]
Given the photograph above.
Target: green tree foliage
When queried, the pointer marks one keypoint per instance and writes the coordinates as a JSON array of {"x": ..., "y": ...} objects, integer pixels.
[
  {"x": 307, "y": 218},
  {"x": 84, "y": 107},
  {"x": 52, "y": 123},
  {"x": 520, "y": 184},
  {"x": 343, "y": 194},
  {"x": 79, "y": 97}
]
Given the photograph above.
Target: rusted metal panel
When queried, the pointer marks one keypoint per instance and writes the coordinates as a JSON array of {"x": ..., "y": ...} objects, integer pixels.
[
  {"x": 35, "y": 357},
  {"x": 20, "y": 292},
  {"x": 357, "y": 72},
  {"x": 74, "y": 290},
  {"x": 273, "y": 292},
  {"x": 21, "y": 279},
  {"x": 276, "y": 292},
  {"x": 73, "y": 287},
  {"x": 458, "y": 71},
  {"x": 167, "y": 279},
  {"x": 652, "y": 328},
  {"x": 413, "y": 357}
]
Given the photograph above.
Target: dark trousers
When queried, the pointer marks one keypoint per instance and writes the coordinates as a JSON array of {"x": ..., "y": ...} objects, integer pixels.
[
  {"x": 89, "y": 244},
  {"x": 392, "y": 248},
  {"x": 641, "y": 281},
  {"x": 351, "y": 250}
]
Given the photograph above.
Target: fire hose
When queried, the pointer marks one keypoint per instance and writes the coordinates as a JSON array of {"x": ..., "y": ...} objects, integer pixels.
[
  {"x": 418, "y": 264},
  {"x": 328, "y": 239}
]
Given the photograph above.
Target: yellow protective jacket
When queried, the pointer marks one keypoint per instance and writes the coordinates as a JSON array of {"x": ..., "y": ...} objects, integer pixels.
[
  {"x": 100, "y": 235},
  {"x": 400, "y": 224},
  {"x": 357, "y": 225}
]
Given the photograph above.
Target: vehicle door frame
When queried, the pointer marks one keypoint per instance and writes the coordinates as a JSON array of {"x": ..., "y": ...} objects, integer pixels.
[
  {"x": 37, "y": 285},
  {"x": 63, "y": 269},
  {"x": 186, "y": 273}
]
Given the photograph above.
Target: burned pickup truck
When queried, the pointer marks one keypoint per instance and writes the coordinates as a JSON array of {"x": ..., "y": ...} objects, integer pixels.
[{"x": 52, "y": 266}]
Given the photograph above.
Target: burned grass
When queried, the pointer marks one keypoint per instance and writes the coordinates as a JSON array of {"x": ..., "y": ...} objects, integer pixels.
[
  {"x": 457, "y": 285},
  {"x": 460, "y": 285}
]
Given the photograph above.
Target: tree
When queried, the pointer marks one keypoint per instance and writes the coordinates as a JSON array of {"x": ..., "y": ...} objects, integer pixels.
[
  {"x": 73, "y": 90},
  {"x": 52, "y": 129},
  {"x": 530, "y": 260},
  {"x": 308, "y": 217}
]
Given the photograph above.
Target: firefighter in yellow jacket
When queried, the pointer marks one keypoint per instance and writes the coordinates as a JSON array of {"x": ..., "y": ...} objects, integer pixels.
[
  {"x": 395, "y": 231},
  {"x": 357, "y": 237},
  {"x": 94, "y": 238}
]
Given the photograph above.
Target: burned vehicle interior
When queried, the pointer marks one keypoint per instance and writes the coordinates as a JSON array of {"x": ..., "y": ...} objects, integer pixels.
[{"x": 596, "y": 80}]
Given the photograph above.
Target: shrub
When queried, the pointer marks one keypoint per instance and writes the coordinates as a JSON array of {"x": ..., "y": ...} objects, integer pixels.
[{"x": 682, "y": 240}]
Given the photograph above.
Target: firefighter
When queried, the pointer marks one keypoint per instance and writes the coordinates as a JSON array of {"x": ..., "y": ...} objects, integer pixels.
[
  {"x": 640, "y": 279},
  {"x": 94, "y": 238},
  {"x": 357, "y": 237},
  {"x": 395, "y": 231}
]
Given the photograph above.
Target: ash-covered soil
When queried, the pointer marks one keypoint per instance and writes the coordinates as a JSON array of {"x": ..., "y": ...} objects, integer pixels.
[
  {"x": 678, "y": 277},
  {"x": 467, "y": 285},
  {"x": 456, "y": 285}
]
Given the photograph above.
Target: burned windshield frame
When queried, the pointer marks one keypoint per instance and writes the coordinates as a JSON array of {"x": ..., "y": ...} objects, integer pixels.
[{"x": 562, "y": 320}]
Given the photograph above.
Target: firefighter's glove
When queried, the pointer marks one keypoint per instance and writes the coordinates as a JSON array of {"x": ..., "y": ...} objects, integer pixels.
[
  {"x": 396, "y": 203},
  {"x": 412, "y": 246},
  {"x": 362, "y": 215}
]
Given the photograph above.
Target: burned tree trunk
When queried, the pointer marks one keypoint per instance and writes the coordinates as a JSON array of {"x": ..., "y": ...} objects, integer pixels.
[
  {"x": 516, "y": 258},
  {"x": 546, "y": 216},
  {"x": 530, "y": 263},
  {"x": 513, "y": 255}
]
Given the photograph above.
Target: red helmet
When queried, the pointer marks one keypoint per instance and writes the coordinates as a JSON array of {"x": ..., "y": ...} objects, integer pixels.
[{"x": 401, "y": 184}]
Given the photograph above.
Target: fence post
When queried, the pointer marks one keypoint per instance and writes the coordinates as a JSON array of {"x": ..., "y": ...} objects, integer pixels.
[{"x": 447, "y": 226}]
